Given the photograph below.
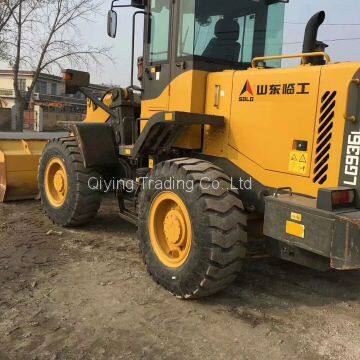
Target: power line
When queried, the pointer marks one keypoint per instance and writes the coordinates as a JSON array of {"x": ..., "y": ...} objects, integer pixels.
[
  {"x": 329, "y": 40},
  {"x": 327, "y": 24}
]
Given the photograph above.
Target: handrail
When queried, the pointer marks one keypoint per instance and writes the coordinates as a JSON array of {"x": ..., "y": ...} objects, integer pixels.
[
  {"x": 132, "y": 86},
  {"x": 347, "y": 117},
  {"x": 294, "y": 56}
]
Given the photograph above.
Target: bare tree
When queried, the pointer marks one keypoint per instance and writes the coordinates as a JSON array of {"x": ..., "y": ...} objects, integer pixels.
[
  {"x": 7, "y": 9},
  {"x": 47, "y": 38}
]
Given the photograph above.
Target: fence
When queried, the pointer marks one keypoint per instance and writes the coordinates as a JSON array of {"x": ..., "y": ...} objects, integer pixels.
[
  {"x": 47, "y": 120},
  {"x": 38, "y": 119}
]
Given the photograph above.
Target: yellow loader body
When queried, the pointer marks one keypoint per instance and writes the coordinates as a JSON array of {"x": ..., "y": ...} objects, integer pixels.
[
  {"x": 268, "y": 112},
  {"x": 229, "y": 156}
]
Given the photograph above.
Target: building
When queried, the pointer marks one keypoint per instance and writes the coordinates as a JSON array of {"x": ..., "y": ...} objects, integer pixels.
[
  {"x": 48, "y": 89},
  {"x": 47, "y": 98}
]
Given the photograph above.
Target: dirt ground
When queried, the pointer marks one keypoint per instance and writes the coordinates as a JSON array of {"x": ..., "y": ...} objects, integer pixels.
[{"x": 84, "y": 294}]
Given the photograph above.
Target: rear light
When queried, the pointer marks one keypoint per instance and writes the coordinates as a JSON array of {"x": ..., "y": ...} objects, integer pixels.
[
  {"x": 345, "y": 197},
  {"x": 331, "y": 199}
]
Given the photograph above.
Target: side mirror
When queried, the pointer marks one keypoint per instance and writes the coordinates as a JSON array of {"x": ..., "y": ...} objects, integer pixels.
[
  {"x": 74, "y": 80},
  {"x": 112, "y": 23}
]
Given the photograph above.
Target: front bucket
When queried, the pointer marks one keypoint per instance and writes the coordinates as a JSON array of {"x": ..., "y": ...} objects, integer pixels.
[{"x": 19, "y": 160}]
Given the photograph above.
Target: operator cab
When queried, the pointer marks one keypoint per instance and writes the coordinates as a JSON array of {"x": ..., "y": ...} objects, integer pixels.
[{"x": 202, "y": 35}]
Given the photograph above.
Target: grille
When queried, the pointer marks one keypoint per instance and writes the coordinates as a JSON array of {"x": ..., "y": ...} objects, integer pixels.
[{"x": 324, "y": 137}]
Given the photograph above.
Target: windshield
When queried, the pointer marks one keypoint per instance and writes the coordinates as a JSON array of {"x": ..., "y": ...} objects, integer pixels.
[{"x": 230, "y": 31}]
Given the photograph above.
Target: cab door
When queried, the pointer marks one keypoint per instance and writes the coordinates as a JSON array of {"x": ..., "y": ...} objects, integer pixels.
[{"x": 157, "y": 72}]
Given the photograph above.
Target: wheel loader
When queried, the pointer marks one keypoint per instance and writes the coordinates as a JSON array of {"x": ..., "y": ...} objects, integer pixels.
[{"x": 219, "y": 155}]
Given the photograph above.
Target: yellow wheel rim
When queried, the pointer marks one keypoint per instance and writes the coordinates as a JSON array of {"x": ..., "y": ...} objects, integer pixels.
[
  {"x": 56, "y": 182},
  {"x": 170, "y": 229}
]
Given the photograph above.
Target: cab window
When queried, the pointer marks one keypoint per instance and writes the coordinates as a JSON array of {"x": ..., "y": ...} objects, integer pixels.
[
  {"x": 160, "y": 31},
  {"x": 230, "y": 31}
]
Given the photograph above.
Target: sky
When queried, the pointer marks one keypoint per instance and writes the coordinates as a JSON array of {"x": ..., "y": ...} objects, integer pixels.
[
  {"x": 297, "y": 13},
  {"x": 337, "y": 12}
]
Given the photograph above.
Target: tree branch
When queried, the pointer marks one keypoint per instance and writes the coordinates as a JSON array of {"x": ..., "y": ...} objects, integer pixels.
[{"x": 46, "y": 36}]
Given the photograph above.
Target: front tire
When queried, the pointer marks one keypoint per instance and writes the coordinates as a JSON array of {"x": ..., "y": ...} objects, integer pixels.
[
  {"x": 192, "y": 242},
  {"x": 64, "y": 184}
]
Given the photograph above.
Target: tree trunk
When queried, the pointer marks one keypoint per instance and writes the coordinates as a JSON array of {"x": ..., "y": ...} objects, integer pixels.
[
  {"x": 19, "y": 114},
  {"x": 19, "y": 99}
]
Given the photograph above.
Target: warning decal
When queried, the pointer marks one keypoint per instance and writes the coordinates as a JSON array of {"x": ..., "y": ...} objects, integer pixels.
[{"x": 298, "y": 163}]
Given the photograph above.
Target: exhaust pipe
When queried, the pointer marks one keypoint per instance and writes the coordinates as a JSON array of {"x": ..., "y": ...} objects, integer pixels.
[{"x": 311, "y": 44}]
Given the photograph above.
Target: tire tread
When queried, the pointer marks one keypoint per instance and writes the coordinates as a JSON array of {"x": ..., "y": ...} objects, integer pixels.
[
  {"x": 86, "y": 201},
  {"x": 226, "y": 230}
]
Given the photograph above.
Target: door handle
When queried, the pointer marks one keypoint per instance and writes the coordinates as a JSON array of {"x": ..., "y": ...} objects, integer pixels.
[{"x": 217, "y": 96}]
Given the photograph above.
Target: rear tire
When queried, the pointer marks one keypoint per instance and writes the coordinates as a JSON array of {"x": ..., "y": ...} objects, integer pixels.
[
  {"x": 74, "y": 203},
  {"x": 218, "y": 223}
]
